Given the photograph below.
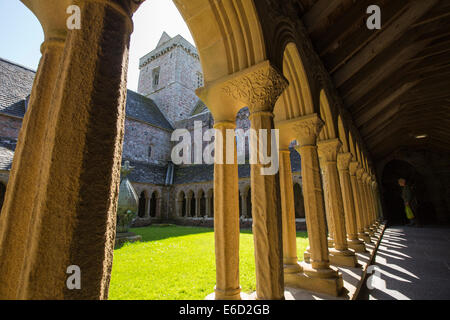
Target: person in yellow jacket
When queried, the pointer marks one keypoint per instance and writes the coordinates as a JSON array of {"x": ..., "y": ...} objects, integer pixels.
[{"x": 410, "y": 202}]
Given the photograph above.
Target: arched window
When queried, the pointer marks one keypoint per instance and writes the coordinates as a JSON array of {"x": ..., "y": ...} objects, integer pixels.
[
  {"x": 142, "y": 204},
  {"x": 153, "y": 205},
  {"x": 155, "y": 74}
]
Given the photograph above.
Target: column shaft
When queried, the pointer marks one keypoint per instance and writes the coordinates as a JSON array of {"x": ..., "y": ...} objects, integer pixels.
[
  {"x": 290, "y": 259},
  {"x": 226, "y": 221}
]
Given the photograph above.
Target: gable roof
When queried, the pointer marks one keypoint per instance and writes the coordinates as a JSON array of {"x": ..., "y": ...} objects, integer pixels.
[
  {"x": 16, "y": 82},
  {"x": 164, "y": 38},
  {"x": 143, "y": 108}
]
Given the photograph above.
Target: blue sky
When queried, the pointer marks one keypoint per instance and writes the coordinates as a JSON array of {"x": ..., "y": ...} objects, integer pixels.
[{"x": 21, "y": 34}]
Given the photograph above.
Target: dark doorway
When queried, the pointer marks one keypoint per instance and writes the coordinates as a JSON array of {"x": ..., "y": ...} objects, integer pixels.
[
  {"x": 394, "y": 209},
  {"x": 153, "y": 205},
  {"x": 249, "y": 203},
  {"x": 142, "y": 201}
]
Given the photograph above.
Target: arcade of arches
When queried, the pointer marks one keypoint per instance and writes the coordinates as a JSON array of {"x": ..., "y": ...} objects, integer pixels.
[{"x": 299, "y": 66}]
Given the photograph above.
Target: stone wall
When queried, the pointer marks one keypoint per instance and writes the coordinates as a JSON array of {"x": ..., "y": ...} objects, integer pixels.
[{"x": 139, "y": 136}]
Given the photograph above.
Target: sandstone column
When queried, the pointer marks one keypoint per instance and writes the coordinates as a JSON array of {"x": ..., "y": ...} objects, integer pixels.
[
  {"x": 317, "y": 275},
  {"x": 17, "y": 210},
  {"x": 326, "y": 195},
  {"x": 340, "y": 254},
  {"x": 290, "y": 259},
  {"x": 226, "y": 221},
  {"x": 349, "y": 203},
  {"x": 365, "y": 181},
  {"x": 355, "y": 178},
  {"x": 360, "y": 175},
  {"x": 188, "y": 206},
  {"x": 74, "y": 210},
  {"x": 179, "y": 208}
]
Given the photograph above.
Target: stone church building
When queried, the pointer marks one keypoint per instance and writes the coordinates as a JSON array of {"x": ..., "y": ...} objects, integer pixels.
[{"x": 165, "y": 101}]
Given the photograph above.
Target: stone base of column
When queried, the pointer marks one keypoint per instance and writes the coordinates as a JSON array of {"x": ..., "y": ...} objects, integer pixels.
[
  {"x": 327, "y": 281},
  {"x": 292, "y": 268},
  {"x": 344, "y": 258},
  {"x": 235, "y": 294},
  {"x": 330, "y": 243},
  {"x": 307, "y": 256},
  {"x": 364, "y": 237},
  {"x": 357, "y": 245}
]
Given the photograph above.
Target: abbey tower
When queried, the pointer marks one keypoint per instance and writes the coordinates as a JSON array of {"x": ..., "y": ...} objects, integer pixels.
[{"x": 169, "y": 75}]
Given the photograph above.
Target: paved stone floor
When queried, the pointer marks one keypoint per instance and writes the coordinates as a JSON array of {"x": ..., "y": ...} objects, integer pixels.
[{"x": 411, "y": 263}]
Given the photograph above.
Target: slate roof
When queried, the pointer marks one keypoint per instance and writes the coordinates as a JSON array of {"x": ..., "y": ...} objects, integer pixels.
[
  {"x": 15, "y": 86},
  {"x": 7, "y": 147},
  {"x": 143, "y": 108},
  {"x": 147, "y": 173}
]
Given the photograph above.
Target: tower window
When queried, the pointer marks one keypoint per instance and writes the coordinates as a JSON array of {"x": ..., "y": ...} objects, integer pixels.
[
  {"x": 150, "y": 152},
  {"x": 155, "y": 74},
  {"x": 199, "y": 79}
]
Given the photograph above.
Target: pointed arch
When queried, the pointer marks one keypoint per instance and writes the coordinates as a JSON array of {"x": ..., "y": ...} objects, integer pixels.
[
  {"x": 296, "y": 101},
  {"x": 343, "y": 135},
  {"x": 329, "y": 131},
  {"x": 233, "y": 40}
]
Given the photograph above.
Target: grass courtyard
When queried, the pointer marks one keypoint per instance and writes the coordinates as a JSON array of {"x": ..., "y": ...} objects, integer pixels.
[{"x": 173, "y": 263}]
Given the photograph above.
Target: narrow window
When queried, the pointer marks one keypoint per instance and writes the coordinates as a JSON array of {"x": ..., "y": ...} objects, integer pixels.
[
  {"x": 150, "y": 152},
  {"x": 155, "y": 74}
]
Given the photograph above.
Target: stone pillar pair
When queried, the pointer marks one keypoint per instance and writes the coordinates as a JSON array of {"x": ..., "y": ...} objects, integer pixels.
[
  {"x": 258, "y": 88},
  {"x": 68, "y": 157},
  {"x": 316, "y": 274},
  {"x": 339, "y": 253},
  {"x": 244, "y": 205}
]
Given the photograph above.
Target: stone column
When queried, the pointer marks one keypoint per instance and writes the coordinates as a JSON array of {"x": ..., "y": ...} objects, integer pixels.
[
  {"x": 317, "y": 275},
  {"x": 17, "y": 211},
  {"x": 179, "y": 208},
  {"x": 290, "y": 259},
  {"x": 340, "y": 254},
  {"x": 259, "y": 87},
  {"x": 360, "y": 175},
  {"x": 244, "y": 205},
  {"x": 158, "y": 207},
  {"x": 188, "y": 206},
  {"x": 365, "y": 181},
  {"x": 355, "y": 178},
  {"x": 349, "y": 203},
  {"x": 326, "y": 195},
  {"x": 226, "y": 221},
  {"x": 74, "y": 209}
]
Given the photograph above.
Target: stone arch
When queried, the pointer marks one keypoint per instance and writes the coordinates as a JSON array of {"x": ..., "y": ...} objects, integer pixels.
[
  {"x": 191, "y": 204},
  {"x": 210, "y": 202},
  {"x": 329, "y": 129},
  {"x": 2, "y": 194},
  {"x": 233, "y": 40},
  {"x": 154, "y": 204},
  {"x": 142, "y": 208},
  {"x": 202, "y": 198},
  {"x": 342, "y": 131},
  {"x": 181, "y": 200},
  {"x": 296, "y": 100}
]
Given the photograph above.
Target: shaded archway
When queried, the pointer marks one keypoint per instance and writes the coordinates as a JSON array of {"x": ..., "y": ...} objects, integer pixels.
[
  {"x": 2, "y": 195},
  {"x": 299, "y": 202},
  {"x": 201, "y": 198},
  {"x": 394, "y": 206},
  {"x": 154, "y": 204},
  {"x": 181, "y": 201},
  {"x": 142, "y": 204}
]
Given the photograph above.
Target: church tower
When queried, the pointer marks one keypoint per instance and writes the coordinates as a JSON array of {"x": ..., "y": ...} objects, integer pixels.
[{"x": 169, "y": 75}]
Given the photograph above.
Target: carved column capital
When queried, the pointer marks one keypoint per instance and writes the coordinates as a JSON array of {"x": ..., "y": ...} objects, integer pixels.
[
  {"x": 359, "y": 173},
  {"x": 258, "y": 87},
  {"x": 307, "y": 129},
  {"x": 344, "y": 160},
  {"x": 354, "y": 166},
  {"x": 328, "y": 149}
]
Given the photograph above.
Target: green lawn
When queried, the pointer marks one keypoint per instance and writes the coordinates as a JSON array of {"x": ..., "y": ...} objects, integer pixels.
[{"x": 175, "y": 262}]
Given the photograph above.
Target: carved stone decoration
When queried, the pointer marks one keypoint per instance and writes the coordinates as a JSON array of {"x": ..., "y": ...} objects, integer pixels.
[
  {"x": 307, "y": 129},
  {"x": 259, "y": 89},
  {"x": 344, "y": 160},
  {"x": 328, "y": 149}
]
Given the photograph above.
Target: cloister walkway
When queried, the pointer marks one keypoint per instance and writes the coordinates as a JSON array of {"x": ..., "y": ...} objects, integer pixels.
[{"x": 411, "y": 263}]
